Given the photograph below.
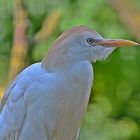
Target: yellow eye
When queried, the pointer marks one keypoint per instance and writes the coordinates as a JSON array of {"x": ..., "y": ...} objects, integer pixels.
[{"x": 90, "y": 40}]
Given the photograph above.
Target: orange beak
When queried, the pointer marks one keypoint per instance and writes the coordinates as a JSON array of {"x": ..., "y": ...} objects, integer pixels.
[{"x": 117, "y": 43}]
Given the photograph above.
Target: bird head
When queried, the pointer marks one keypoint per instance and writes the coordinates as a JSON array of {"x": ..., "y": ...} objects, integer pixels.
[{"x": 82, "y": 43}]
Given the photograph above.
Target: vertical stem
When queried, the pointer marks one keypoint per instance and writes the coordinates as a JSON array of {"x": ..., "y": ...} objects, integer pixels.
[
  {"x": 19, "y": 48},
  {"x": 129, "y": 15}
]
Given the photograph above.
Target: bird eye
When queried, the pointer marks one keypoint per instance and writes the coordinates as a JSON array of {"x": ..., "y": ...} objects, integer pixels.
[{"x": 90, "y": 40}]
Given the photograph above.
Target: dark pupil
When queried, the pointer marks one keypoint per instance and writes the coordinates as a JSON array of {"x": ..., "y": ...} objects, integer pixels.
[{"x": 90, "y": 40}]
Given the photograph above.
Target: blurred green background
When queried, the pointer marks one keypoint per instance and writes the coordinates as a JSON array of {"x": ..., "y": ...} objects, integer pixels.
[{"x": 114, "y": 109}]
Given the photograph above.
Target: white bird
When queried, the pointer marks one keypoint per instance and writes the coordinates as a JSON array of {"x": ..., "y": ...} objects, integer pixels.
[{"x": 48, "y": 100}]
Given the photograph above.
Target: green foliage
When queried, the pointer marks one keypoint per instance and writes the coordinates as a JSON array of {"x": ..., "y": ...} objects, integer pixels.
[
  {"x": 6, "y": 29},
  {"x": 113, "y": 113}
]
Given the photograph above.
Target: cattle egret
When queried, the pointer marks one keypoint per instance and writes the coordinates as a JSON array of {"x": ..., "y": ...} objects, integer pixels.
[{"x": 48, "y": 100}]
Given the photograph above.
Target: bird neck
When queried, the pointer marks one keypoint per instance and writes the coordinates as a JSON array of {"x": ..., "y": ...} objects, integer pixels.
[{"x": 57, "y": 59}]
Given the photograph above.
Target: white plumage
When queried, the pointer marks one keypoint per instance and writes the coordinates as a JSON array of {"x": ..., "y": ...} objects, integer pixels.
[{"x": 48, "y": 100}]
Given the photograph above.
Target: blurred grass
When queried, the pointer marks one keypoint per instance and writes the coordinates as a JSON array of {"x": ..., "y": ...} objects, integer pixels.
[{"x": 113, "y": 113}]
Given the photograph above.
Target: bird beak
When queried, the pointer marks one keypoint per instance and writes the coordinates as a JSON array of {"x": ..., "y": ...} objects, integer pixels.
[{"x": 117, "y": 43}]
